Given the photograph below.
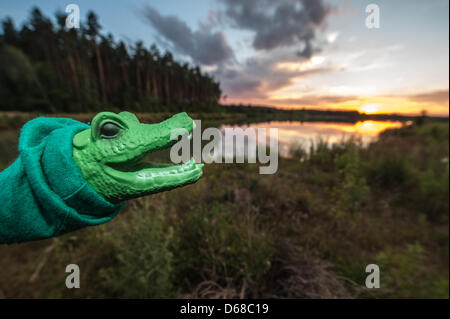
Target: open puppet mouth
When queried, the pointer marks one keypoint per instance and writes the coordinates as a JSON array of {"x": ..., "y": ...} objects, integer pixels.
[{"x": 143, "y": 173}]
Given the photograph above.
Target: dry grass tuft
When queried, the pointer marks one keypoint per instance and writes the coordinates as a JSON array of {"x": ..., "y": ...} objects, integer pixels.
[{"x": 298, "y": 274}]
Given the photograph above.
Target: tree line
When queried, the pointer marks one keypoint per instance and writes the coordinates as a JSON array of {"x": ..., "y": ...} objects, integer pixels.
[{"x": 46, "y": 67}]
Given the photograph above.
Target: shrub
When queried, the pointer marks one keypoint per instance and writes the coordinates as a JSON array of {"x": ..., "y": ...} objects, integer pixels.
[
  {"x": 431, "y": 194},
  {"x": 352, "y": 188},
  {"x": 389, "y": 170},
  {"x": 144, "y": 262},
  {"x": 403, "y": 275},
  {"x": 215, "y": 244},
  {"x": 298, "y": 152}
]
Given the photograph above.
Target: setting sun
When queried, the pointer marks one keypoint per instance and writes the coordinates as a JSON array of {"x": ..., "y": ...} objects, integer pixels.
[{"x": 370, "y": 108}]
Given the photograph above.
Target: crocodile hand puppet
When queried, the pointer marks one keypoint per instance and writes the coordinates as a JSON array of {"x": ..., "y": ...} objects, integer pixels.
[{"x": 71, "y": 175}]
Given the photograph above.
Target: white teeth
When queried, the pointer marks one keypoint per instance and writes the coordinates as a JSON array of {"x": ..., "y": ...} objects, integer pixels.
[
  {"x": 184, "y": 167},
  {"x": 190, "y": 136}
]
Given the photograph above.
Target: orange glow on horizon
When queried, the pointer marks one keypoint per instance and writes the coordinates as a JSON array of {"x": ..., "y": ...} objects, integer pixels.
[{"x": 366, "y": 104}]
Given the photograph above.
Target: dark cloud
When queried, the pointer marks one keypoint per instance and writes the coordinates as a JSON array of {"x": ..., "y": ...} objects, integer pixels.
[
  {"x": 203, "y": 46},
  {"x": 279, "y": 23},
  {"x": 284, "y": 30},
  {"x": 242, "y": 86}
]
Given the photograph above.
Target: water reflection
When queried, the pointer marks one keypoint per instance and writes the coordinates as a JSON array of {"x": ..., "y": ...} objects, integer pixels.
[
  {"x": 289, "y": 133},
  {"x": 307, "y": 133}
]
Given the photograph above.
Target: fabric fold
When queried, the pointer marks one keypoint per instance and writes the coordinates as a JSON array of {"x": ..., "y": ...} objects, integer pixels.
[{"x": 43, "y": 193}]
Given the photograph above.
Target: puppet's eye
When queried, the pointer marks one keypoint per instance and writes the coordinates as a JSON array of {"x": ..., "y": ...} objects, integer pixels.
[{"x": 109, "y": 130}]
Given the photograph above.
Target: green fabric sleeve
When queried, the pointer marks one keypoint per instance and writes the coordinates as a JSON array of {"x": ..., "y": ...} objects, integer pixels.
[{"x": 43, "y": 193}]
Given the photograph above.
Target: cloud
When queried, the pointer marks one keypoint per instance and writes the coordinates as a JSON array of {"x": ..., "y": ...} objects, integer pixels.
[
  {"x": 282, "y": 31},
  {"x": 260, "y": 75},
  {"x": 241, "y": 86},
  {"x": 434, "y": 97},
  {"x": 331, "y": 37},
  {"x": 315, "y": 100},
  {"x": 280, "y": 23},
  {"x": 438, "y": 97},
  {"x": 203, "y": 46}
]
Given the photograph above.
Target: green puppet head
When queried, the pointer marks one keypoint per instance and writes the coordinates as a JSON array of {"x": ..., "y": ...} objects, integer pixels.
[{"x": 110, "y": 156}]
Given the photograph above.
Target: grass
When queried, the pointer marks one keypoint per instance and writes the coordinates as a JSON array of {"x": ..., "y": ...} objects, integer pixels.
[{"x": 307, "y": 231}]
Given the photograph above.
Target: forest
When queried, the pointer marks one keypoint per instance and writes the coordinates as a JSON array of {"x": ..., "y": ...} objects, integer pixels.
[{"x": 48, "y": 68}]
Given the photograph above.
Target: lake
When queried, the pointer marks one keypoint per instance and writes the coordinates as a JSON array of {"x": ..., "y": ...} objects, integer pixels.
[
  {"x": 306, "y": 133},
  {"x": 289, "y": 134}
]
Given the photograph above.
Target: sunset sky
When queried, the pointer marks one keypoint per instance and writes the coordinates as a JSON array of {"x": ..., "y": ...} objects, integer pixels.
[{"x": 294, "y": 53}]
